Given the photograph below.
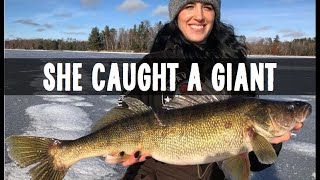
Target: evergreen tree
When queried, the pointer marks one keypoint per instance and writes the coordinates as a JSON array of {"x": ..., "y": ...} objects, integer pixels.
[
  {"x": 276, "y": 39},
  {"x": 275, "y": 45},
  {"x": 94, "y": 39}
]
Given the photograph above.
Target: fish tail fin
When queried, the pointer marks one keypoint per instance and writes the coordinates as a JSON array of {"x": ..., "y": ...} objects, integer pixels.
[{"x": 28, "y": 150}]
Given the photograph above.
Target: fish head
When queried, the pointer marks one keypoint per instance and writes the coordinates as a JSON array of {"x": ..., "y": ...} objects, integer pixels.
[{"x": 275, "y": 118}]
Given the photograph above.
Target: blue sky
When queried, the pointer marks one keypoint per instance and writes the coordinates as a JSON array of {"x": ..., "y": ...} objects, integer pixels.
[{"x": 56, "y": 19}]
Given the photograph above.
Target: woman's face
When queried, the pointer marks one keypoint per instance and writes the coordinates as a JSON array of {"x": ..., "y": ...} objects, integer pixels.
[{"x": 195, "y": 20}]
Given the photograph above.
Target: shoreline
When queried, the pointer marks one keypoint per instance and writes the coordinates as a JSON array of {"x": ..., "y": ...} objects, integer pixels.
[
  {"x": 103, "y": 52},
  {"x": 279, "y": 56},
  {"x": 124, "y": 52}
]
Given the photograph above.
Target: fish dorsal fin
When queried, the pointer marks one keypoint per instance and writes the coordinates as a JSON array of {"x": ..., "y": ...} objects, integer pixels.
[
  {"x": 206, "y": 95},
  {"x": 136, "y": 105},
  {"x": 182, "y": 101},
  {"x": 130, "y": 107}
]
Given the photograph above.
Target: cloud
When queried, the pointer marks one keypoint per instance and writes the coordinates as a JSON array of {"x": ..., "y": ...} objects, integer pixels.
[
  {"x": 48, "y": 26},
  {"x": 264, "y": 28},
  {"x": 285, "y": 31},
  {"x": 132, "y": 5},
  {"x": 161, "y": 10},
  {"x": 74, "y": 33},
  {"x": 27, "y": 22},
  {"x": 291, "y": 33},
  {"x": 41, "y": 29},
  {"x": 63, "y": 14},
  {"x": 32, "y": 23},
  {"x": 254, "y": 39},
  {"x": 90, "y": 2}
]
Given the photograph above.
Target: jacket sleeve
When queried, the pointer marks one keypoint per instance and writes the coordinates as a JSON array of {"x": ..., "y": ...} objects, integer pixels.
[{"x": 132, "y": 171}]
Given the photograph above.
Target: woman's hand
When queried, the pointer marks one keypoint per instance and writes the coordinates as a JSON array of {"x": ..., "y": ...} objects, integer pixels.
[
  {"x": 130, "y": 159},
  {"x": 135, "y": 158},
  {"x": 287, "y": 136}
]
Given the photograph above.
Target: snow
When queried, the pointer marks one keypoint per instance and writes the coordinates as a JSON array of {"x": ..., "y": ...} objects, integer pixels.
[
  {"x": 53, "y": 119},
  {"x": 302, "y": 148},
  {"x": 62, "y": 98}
]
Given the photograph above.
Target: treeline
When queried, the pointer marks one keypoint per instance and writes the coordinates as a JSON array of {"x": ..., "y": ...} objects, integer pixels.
[
  {"x": 47, "y": 44},
  {"x": 141, "y": 36},
  {"x": 296, "y": 47},
  {"x": 137, "y": 39}
]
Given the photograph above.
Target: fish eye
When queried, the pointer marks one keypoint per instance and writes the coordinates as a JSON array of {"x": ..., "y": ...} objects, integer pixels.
[{"x": 291, "y": 107}]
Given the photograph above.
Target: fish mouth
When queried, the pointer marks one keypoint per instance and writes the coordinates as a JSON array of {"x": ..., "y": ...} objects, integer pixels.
[
  {"x": 304, "y": 113},
  {"x": 308, "y": 110}
]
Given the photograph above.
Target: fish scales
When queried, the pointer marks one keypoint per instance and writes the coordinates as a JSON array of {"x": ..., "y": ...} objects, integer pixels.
[{"x": 198, "y": 134}]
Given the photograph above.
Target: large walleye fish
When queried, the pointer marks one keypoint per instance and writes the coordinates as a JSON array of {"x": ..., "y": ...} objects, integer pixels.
[{"x": 193, "y": 130}]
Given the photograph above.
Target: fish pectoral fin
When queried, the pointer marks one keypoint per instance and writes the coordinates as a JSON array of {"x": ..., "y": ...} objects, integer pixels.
[
  {"x": 115, "y": 159},
  {"x": 263, "y": 149},
  {"x": 236, "y": 168}
]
